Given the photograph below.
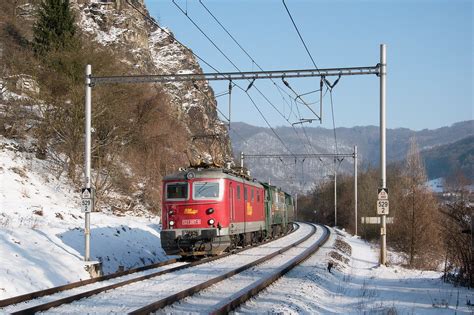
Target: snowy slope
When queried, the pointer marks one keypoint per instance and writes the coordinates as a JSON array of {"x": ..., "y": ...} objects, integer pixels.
[
  {"x": 358, "y": 285},
  {"x": 41, "y": 245},
  {"x": 41, "y": 228}
]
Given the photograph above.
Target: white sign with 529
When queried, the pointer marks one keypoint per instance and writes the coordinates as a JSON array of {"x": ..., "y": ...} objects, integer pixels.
[
  {"x": 86, "y": 205},
  {"x": 382, "y": 207}
]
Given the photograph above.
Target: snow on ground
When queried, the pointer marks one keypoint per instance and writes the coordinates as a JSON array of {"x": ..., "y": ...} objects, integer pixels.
[
  {"x": 436, "y": 185},
  {"x": 358, "y": 285},
  {"x": 42, "y": 243},
  {"x": 41, "y": 228}
]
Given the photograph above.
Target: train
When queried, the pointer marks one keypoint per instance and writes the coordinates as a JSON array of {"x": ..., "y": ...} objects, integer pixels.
[{"x": 206, "y": 211}]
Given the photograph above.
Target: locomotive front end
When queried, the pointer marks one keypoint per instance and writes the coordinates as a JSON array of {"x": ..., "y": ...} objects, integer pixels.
[{"x": 194, "y": 214}]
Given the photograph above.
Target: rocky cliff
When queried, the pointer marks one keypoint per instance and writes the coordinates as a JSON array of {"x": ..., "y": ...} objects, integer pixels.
[
  {"x": 127, "y": 28},
  {"x": 141, "y": 132}
]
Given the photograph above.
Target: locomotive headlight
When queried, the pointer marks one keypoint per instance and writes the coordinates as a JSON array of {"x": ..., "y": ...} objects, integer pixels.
[
  {"x": 171, "y": 223},
  {"x": 171, "y": 212},
  {"x": 210, "y": 211},
  {"x": 211, "y": 221}
]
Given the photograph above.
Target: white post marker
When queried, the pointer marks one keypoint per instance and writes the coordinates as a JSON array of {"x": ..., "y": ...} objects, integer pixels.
[
  {"x": 382, "y": 201},
  {"x": 382, "y": 207},
  {"x": 87, "y": 200}
]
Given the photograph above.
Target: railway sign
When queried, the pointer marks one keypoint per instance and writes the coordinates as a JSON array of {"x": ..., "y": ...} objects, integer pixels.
[
  {"x": 382, "y": 207},
  {"x": 382, "y": 194},
  {"x": 86, "y": 205},
  {"x": 86, "y": 193},
  {"x": 87, "y": 200},
  {"x": 374, "y": 220}
]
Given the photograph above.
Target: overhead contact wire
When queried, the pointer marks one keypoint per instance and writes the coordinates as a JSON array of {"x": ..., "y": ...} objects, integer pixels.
[
  {"x": 314, "y": 63},
  {"x": 279, "y": 89},
  {"x": 236, "y": 67},
  {"x": 240, "y": 46}
]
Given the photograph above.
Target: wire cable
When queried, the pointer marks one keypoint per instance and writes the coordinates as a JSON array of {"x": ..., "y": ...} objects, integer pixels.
[
  {"x": 217, "y": 71},
  {"x": 299, "y": 34},
  {"x": 280, "y": 90},
  {"x": 265, "y": 119},
  {"x": 330, "y": 86},
  {"x": 236, "y": 67}
]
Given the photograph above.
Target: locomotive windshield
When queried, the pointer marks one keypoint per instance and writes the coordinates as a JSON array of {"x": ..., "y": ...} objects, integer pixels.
[
  {"x": 205, "y": 190},
  {"x": 177, "y": 191}
]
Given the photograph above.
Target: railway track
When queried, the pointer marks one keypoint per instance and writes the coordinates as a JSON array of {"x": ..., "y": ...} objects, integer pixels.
[
  {"x": 228, "y": 294},
  {"x": 43, "y": 300}
]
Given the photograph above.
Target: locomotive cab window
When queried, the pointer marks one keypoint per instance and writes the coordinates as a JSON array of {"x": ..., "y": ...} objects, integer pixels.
[
  {"x": 245, "y": 193},
  {"x": 238, "y": 192},
  {"x": 251, "y": 196},
  {"x": 205, "y": 190},
  {"x": 177, "y": 191}
]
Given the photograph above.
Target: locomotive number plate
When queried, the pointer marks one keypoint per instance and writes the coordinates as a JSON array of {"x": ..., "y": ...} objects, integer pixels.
[{"x": 191, "y": 221}]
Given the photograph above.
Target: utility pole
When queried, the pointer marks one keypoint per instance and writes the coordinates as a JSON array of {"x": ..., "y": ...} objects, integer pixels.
[
  {"x": 230, "y": 102},
  {"x": 335, "y": 193},
  {"x": 242, "y": 160},
  {"x": 87, "y": 158},
  {"x": 383, "y": 174},
  {"x": 355, "y": 189},
  {"x": 296, "y": 206}
]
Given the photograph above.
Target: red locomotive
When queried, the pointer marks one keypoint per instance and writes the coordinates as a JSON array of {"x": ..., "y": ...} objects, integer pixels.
[{"x": 206, "y": 211}]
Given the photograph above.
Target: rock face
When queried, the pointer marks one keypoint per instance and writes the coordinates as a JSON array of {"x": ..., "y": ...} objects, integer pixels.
[{"x": 126, "y": 27}]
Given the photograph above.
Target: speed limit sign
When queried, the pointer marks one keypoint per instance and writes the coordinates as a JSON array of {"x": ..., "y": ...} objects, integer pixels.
[{"x": 382, "y": 207}]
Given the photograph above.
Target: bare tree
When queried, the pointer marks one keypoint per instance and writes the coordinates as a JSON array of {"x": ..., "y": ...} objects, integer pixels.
[
  {"x": 417, "y": 215},
  {"x": 457, "y": 214}
]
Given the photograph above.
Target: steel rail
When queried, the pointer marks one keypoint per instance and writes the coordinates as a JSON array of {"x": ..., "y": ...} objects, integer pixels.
[
  {"x": 50, "y": 291},
  {"x": 243, "y": 296},
  {"x": 75, "y": 297},
  {"x": 190, "y": 291}
]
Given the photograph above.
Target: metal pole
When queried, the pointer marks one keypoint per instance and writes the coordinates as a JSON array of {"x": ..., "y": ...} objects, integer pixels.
[
  {"x": 321, "y": 101},
  {"x": 355, "y": 188},
  {"x": 383, "y": 78},
  {"x": 230, "y": 101},
  {"x": 87, "y": 158},
  {"x": 296, "y": 206},
  {"x": 242, "y": 159},
  {"x": 335, "y": 193}
]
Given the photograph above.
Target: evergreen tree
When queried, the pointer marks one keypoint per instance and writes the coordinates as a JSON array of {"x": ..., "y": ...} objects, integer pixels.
[{"x": 54, "y": 28}]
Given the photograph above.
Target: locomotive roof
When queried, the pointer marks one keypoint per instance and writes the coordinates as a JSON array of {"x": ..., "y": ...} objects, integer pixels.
[{"x": 213, "y": 173}]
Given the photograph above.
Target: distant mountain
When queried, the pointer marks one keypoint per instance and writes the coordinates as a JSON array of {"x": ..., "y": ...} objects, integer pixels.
[
  {"x": 296, "y": 175},
  {"x": 444, "y": 160}
]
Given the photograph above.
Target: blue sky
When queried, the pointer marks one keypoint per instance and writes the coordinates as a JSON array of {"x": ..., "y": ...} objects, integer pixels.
[{"x": 429, "y": 54}]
